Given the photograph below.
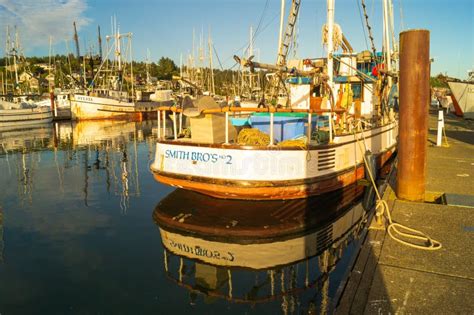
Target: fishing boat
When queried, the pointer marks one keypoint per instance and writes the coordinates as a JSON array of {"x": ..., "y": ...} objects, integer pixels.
[
  {"x": 22, "y": 115},
  {"x": 463, "y": 96},
  {"x": 17, "y": 106},
  {"x": 115, "y": 96},
  {"x": 337, "y": 110}
]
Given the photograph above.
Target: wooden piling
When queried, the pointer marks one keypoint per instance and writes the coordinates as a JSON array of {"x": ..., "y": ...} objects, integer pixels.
[{"x": 414, "y": 106}]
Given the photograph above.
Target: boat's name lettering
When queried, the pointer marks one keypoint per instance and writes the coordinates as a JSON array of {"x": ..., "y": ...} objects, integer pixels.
[
  {"x": 201, "y": 251},
  {"x": 83, "y": 98},
  {"x": 197, "y": 156}
]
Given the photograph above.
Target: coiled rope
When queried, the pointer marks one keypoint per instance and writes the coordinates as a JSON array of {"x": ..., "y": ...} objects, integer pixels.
[
  {"x": 253, "y": 136},
  {"x": 395, "y": 230}
]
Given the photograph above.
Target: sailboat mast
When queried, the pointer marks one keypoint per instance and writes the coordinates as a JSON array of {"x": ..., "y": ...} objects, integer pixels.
[
  {"x": 280, "y": 35},
  {"x": 210, "y": 65},
  {"x": 386, "y": 37},
  {"x": 250, "y": 53},
  {"x": 76, "y": 41},
  {"x": 15, "y": 46},
  {"x": 49, "y": 67},
  {"x": 99, "y": 42},
  {"x": 118, "y": 49},
  {"x": 3, "y": 84},
  {"x": 132, "y": 78},
  {"x": 330, "y": 24},
  {"x": 147, "y": 66}
]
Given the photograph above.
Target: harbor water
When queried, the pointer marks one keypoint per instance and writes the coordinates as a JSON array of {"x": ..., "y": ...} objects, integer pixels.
[{"x": 78, "y": 235}]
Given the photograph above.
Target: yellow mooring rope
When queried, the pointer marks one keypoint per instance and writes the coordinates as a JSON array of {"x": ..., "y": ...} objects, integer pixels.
[{"x": 394, "y": 229}]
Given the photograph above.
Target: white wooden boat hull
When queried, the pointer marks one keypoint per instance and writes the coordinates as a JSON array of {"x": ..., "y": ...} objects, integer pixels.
[
  {"x": 23, "y": 117},
  {"x": 464, "y": 94},
  {"x": 240, "y": 172},
  {"x": 91, "y": 107}
]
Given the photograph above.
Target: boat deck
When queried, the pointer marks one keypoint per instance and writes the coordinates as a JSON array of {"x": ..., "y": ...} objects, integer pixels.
[{"x": 388, "y": 277}]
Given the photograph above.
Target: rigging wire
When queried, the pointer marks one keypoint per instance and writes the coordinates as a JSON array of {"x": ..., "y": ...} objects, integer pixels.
[
  {"x": 362, "y": 24},
  {"x": 369, "y": 28},
  {"x": 257, "y": 32},
  {"x": 402, "y": 22}
]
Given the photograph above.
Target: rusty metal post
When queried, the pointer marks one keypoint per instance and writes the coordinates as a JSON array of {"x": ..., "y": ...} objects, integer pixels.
[{"x": 414, "y": 105}]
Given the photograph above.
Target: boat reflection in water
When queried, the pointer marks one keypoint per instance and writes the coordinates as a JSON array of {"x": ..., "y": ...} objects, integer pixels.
[
  {"x": 254, "y": 251},
  {"x": 30, "y": 138},
  {"x": 100, "y": 151}
]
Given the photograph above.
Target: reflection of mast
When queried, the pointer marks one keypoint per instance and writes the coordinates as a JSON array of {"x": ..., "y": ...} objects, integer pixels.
[
  {"x": 135, "y": 151},
  {"x": 107, "y": 172},
  {"x": 25, "y": 179},
  {"x": 86, "y": 176},
  {"x": 124, "y": 196},
  {"x": 324, "y": 268},
  {"x": 60, "y": 174}
]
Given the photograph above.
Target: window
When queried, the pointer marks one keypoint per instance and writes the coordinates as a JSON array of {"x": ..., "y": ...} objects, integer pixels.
[{"x": 357, "y": 92}]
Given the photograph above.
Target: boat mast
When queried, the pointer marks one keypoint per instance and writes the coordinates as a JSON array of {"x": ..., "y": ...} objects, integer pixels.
[
  {"x": 76, "y": 41},
  {"x": 132, "y": 78},
  {"x": 280, "y": 35},
  {"x": 213, "y": 92},
  {"x": 330, "y": 24},
  {"x": 49, "y": 68},
  {"x": 394, "y": 40},
  {"x": 15, "y": 49},
  {"x": 147, "y": 66},
  {"x": 3, "y": 84},
  {"x": 386, "y": 37},
  {"x": 99, "y": 42},
  {"x": 250, "y": 54},
  {"x": 118, "y": 49}
]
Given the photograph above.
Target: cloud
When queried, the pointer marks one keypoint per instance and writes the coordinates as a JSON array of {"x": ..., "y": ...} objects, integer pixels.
[{"x": 36, "y": 20}]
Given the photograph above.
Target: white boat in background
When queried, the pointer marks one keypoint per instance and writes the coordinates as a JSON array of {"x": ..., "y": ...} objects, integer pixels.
[
  {"x": 18, "y": 112},
  {"x": 463, "y": 93},
  {"x": 115, "y": 96},
  {"x": 16, "y": 106},
  {"x": 24, "y": 116}
]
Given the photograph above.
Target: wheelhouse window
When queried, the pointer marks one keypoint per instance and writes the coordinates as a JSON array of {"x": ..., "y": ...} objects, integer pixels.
[{"x": 357, "y": 91}]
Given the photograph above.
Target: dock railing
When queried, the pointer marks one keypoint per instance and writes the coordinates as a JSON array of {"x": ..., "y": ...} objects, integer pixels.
[{"x": 163, "y": 110}]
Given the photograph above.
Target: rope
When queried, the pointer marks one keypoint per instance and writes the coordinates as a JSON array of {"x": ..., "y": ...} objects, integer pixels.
[
  {"x": 253, "y": 136},
  {"x": 300, "y": 142},
  {"x": 394, "y": 229}
]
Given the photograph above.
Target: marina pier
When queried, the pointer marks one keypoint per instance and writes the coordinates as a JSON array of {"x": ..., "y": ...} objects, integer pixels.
[{"x": 389, "y": 277}]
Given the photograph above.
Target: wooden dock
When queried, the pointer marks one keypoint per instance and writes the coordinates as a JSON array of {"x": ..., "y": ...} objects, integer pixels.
[{"x": 390, "y": 278}]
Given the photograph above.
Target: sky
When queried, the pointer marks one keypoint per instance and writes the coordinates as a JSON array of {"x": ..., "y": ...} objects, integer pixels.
[{"x": 165, "y": 27}]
